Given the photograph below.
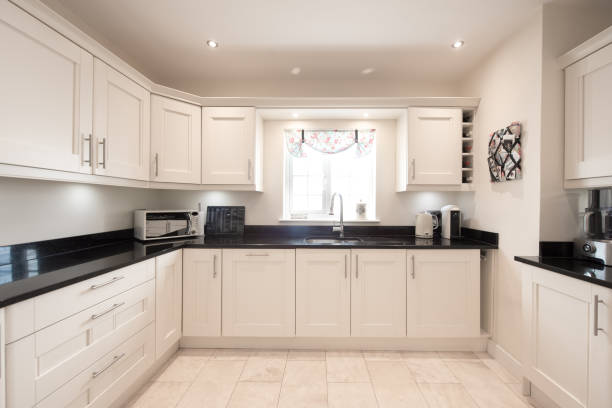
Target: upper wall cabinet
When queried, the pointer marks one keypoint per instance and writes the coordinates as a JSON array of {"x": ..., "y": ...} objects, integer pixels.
[
  {"x": 231, "y": 147},
  {"x": 45, "y": 96},
  {"x": 429, "y": 148},
  {"x": 121, "y": 125},
  {"x": 588, "y": 122},
  {"x": 176, "y": 140}
]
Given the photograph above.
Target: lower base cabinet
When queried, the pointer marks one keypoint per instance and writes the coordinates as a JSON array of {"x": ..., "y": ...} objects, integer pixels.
[
  {"x": 202, "y": 292},
  {"x": 168, "y": 300}
]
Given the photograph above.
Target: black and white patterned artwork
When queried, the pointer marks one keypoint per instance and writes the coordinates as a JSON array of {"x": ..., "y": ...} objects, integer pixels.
[{"x": 505, "y": 153}]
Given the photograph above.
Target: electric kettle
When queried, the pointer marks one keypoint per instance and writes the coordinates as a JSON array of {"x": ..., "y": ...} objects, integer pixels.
[{"x": 425, "y": 224}]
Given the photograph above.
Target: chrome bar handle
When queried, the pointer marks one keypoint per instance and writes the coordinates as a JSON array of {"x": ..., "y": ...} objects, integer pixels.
[
  {"x": 356, "y": 266},
  {"x": 249, "y": 164},
  {"x": 345, "y": 266},
  {"x": 413, "y": 273},
  {"x": 109, "y": 365},
  {"x": 156, "y": 164},
  {"x": 103, "y": 162},
  {"x": 99, "y": 285},
  {"x": 214, "y": 266},
  {"x": 257, "y": 254},
  {"x": 107, "y": 311},
  {"x": 596, "y": 302},
  {"x": 88, "y": 140},
  {"x": 413, "y": 168}
]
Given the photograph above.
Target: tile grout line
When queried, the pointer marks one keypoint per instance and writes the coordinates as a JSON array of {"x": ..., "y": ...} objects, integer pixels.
[
  {"x": 280, "y": 390},
  {"x": 463, "y": 385},
  {"x": 236, "y": 382},
  {"x": 370, "y": 377},
  {"x": 192, "y": 383}
]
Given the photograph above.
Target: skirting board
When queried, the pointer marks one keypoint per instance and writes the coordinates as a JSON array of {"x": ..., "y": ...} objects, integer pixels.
[{"x": 345, "y": 343}]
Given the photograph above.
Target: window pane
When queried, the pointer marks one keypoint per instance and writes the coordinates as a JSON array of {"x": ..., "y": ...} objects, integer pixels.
[{"x": 300, "y": 185}]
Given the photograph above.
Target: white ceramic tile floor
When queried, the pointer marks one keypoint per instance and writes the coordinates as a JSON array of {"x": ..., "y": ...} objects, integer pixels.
[{"x": 197, "y": 378}]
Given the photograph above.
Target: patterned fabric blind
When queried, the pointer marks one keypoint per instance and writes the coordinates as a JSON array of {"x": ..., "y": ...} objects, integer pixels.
[{"x": 329, "y": 141}]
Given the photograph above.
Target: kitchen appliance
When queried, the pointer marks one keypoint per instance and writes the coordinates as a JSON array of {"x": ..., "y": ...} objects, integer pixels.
[
  {"x": 596, "y": 250},
  {"x": 162, "y": 224},
  {"x": 438, "y": 214},
  {"x": 425, "y": 224},
  {"x": 597, "y": 218},
  {"x": 451, "y": 222},
  {"x": 225, "y": 220}
]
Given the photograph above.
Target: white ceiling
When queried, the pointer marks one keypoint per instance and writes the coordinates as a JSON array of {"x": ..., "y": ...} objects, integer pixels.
[{"x": 403, "y": 40}]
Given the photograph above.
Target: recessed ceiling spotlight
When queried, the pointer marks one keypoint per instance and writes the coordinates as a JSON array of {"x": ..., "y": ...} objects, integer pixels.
[
  {"x": 296, "y": 70},
  {"x": 366, "y": 114},
  {"x": 367, "y": 71},
  {"x": 457, "y": 44},
  {"x": 295, "y": 114},
  {"x": 212, "y": 43}
]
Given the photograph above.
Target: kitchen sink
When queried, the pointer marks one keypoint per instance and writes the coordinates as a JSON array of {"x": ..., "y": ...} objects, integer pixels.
[{"x": 332, "y": 240}]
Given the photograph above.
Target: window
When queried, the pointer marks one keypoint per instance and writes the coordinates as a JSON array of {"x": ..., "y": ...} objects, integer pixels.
[{"x": 310, "y": 182}]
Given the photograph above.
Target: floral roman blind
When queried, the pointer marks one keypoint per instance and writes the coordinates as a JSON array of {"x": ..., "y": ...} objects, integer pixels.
[{"x": 329, "y": 141}]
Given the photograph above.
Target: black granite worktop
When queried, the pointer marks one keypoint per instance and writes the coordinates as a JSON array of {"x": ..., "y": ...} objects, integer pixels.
[{"x": 28, "y": 270}]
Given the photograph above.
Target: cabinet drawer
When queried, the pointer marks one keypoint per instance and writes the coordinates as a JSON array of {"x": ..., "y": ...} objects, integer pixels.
[
  {"x": 59, "y": 352},
  {"x": 105, "y": 380},
  {"x": 54, "y": 306}
]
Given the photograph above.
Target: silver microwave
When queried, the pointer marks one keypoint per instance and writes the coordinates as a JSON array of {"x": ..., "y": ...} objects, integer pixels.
[{"x": 163, "y": 224}]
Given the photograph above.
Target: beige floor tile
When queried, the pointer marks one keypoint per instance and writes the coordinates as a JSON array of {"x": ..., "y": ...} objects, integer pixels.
[
  {"x": 159, "y": 395},
  {"x": 306, "y": 355},
  {"x": 430, "y": 370},
  {"x": 182, "y": 368},
  {"x": 447, "y": 396},
  {"x": 270, "y": 353},
  {"x": 213, "y": 387},
  {"x": 303, "y": 396},
  {"x": 494, "y": 395},
  {"x": 346, "y": 366},
  {"x": 483, "y": 355},
  {"x": 232, "y": 354},
  {"x": 263, "y": 369},
  {"x": 394, "y": 385},
  {"x": 457, "y": 355},
  {"x": 201, "y": 352},
  {"x": 375, "y": 355},
  {"x": 503, "y": 374},
  {"x": 255, "y": 395},
  {"x": 299, "y": 373},
  {"x": 472, "y": 372},
  {"x": 351, "y": 395},
  {"x": 407, "y": 355}
]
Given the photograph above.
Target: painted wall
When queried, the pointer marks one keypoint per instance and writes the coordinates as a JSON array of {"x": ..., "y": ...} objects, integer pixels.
[
  {"x": 508, "y": 81},
  {"x": 33, "y": 210},
  {"x": 267, "y": 208}
]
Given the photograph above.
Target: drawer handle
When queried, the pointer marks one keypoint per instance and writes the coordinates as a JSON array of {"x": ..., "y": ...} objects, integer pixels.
[
  {"x": 413, "y": 272},
  {"x": 357, "y": 266},
  {"x": 99, "y": 285},
  {"x": 596, "y": 303},
  {"x": 257, "y": 254},
  {"x": 214, "y": 266},
  {"x": 109, "y": 365},
  {"x": 110, "y": 309},
  {"x": 345, "y": 266}
]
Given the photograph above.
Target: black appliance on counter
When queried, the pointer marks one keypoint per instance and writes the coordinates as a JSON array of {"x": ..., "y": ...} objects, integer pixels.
[{"x": 224, "y": 220}]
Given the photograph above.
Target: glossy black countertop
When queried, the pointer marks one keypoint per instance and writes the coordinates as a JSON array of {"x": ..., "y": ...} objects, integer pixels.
[
  {"x": 28, "y": 270},
  {"x": 585, "y": 270}
]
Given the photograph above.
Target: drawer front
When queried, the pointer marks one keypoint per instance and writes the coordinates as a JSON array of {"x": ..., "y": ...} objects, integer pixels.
[
  {"x": 57, "y": 305},
  {"x": 105, "y": 380}
]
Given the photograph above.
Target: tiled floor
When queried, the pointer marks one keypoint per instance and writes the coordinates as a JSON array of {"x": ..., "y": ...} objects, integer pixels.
[{"x": 202, "y": 378}]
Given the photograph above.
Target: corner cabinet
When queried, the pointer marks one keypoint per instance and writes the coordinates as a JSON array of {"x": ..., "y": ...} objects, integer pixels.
[
  {"x": 168, "y": 301},
  {"x": 202, "y": 292},
  {"x": 121, "y": 119},
  {"x": 232, "y": 146},
  {"x": 176, "y": 141},
  {"x": 46, "y": 84}
]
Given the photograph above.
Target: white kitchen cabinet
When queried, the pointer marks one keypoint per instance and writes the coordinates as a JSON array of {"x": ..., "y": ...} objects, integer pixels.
[
  {"x": 378, "y": 293},
  {"x": 434, "y": 147},
  {"x": 231, "y": 146},
  {"x": 600, "y": 353},
  {"x": 121, "y": 123},
  {"x": 259, "y": 292},
  {"x": 2, "y": 359},
  {"x": 443, "y": 292},
  {"x": 168, "y": 300},
  {"x": 202, "y": 292},
  {"x": 588, "y": 103},
  {"x": 176, "y": 140},
  {"x": 46, "y": 84},
  {"x": 322, "y": 293}
]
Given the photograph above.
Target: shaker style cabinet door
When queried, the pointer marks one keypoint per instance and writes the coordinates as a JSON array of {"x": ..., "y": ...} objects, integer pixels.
[
  {"x": 46, "y": 84},
  {"x": 120, "y": 125},
  {"x": 588, "y": 103},
  {"x": 259, "y": 292},
  {"x": 600, "y": 355},
  {"x": 323, "y": 293},
  {"x": 443, "y": 289},
  {"x": 378, "y": 293},
  {"x": 168, "y": 300},
  {"x": 202, "y": 292},
  {"x": 176, "y": 140},
  {"x": 434, "y": 146},
  {"x": 228, "y": 145}
]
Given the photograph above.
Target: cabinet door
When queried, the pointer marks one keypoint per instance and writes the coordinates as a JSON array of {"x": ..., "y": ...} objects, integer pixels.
[
  {"x": 600, "y": 355},
  {"x": 322, "y": 293},
  {"x": 443, "y": 293},
  {"x": 168, "y": 300},
  {"x": 45, "y": 95},
  {"x": 588, "y": 103},
  {"x": 228, "y": 146},
  {"x": 201, "y": 292},
  {"x": 378, "y": 293},
  {"x": 120, "y": 125},
  {"x": 558, "y": 311},
  {"x": 176, "y": 141},
  {"x": 434, "y": 146},
  {"x": 259, "y": 292}
]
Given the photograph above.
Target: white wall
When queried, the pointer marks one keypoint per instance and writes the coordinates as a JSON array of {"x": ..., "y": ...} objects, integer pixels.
[
  {"x": 267, "y": 207},
  {"x": 33, "y": 210},
  {"x": 508, "y": 81}
]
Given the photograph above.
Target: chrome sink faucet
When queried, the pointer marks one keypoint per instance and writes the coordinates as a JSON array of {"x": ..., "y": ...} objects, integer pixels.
[{"x": 339, "y": 227}]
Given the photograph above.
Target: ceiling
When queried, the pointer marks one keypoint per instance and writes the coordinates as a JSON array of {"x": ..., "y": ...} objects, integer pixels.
[{"x": 402, "y": 40}]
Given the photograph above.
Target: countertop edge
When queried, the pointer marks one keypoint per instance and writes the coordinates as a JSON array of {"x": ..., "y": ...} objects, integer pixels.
[{"x": 566, "y": 272}]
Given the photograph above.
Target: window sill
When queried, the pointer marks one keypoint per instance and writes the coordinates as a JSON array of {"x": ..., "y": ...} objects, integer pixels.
[{"x": 326, "y": 221}]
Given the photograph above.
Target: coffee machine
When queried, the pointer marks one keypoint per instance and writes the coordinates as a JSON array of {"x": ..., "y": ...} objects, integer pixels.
[{"x": 596, "y": 240}]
